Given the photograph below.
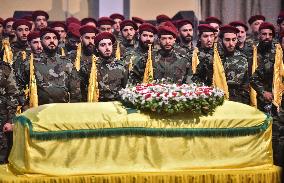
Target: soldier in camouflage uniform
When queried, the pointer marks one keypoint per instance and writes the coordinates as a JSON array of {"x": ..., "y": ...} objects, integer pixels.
[
  {"x": 185, "y": 28},
  {"x": 40, "y": 19},
  {"x": 167, "y": 63},
  {"x": 8, "y": 107},
  {"x": 57, "y": 80},
  {"x": 8, "y": 31},
  {"x": 216, "y": 23},
  {"x": 262, "y": 81},
  {"x": 235, "y": 65},
  {"x": 128, "y": 30},
  {"x": 117, "y": 18},
  {"x": 72, "y": 40},
  {"x": 204, "y": 71},
  {"x": 61, "y": 28},
  {"x": 105, "y": 24},
  {"x": 111, "y": 74},
  {"x": 254, "y": 22}
]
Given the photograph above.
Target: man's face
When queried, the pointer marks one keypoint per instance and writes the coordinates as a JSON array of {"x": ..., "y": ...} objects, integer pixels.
[
  {"x": 242, "y": 35},
  {"x": 281, "y": 26},
  {"x": 167, "y": 42},
  {"x": 266, "y": 35},
  {"x": 186, "y": 33},
  {"x": 36, "y": 45},
  {"x": 255, "y": 25},
  {"x": 9, "y": 29},
  {"x": 105, "y": 48},
  {"x": 61, "y": 32},
  {"x": 128, "y": 33},
  {"x": 230, "y": 41},
  {"x": 116, "y": 25},
  {"x": 207, "y": 39},
  {"x": 22, "y": 32},
  {"x": 40, "y": 22},
  {"x": 72, "y": 42},
  {"x": 106, "y": 28},
  {"x": 147, "y": 38},
  {"x": 50, "y": 41},
  {"x": 216, "y": 26},
  {"x": 88, "y": 41}
]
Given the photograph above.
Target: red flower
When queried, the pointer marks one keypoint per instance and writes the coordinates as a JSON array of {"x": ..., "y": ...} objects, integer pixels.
[{"x": 148, "y": 95}]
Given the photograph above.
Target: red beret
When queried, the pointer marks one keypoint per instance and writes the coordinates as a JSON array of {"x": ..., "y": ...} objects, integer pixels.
[
  {"x": 73, "y": 30},
  {"x": 1, "y": 21},
  {"x": 58, "y": 24},
  {"x": 88, "y": 29},
  {"x": 84, "y": 21},
  {"x": 19, "y": 22},
  {"x": 28, "y": 18},
  {"x": 128, "y": 23},
  {"x": 239, "y": 23},
  {"x": 33, "y": 35},
  {"x": 8, "y": 20},
  {"x": 228, "y": 29},
  {"x": 162, "y": 18},
  {"x": 168, "y": 23},
  {"x": 104, "y": 35},
  {"x": 138, "y": 20},
  {"x": 147, "y": 27},
  {"x": 167, "y": 30},
  {"x": 267, "y": 25},
  {"x": 180, "y": 23},
  {"x": 105, "y": 21},
  {"x": 255, "y": 17},
  {"x": 206, "y": 28},
  {"x": 213, "y": 20},
  {"x": 40, "y": 13},
  {"x": 70, "y": 20},
  {"x": 280, "y": 17},
  {"x": 117, "y": 16},
  {"x": 49, "y": 30}
]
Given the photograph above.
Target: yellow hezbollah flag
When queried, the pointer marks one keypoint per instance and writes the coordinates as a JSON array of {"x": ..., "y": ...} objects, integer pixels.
[
  {"x": 195, "y": 60},
  {"x": 93, "y": 89},
  {"x": 33, "y": 86},
  {"x": 253, "y": 100},
  {"x": 278, "y": 77},
  {"x": 117, "y": 52},
  {"x": 149, "y": 73},
  {"x": 219, "y": 78},
  {"x": 78, "y": 57},
  {"x": 8, "y": 54},
  {"x": 63, "y": 52}
]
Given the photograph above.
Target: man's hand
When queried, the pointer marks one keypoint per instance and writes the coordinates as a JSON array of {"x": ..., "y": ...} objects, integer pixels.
[
  {"x": 268, "y": 96},
  {"x": 8, "y": 127}
]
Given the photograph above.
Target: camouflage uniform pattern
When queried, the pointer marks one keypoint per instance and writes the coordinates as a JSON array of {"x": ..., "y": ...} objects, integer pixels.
[
  {"x": 184, "y": 49},
  {"x": 57, "y": 80},
  {"x": 111, "y": 75},
  {"x": 8, "y": 106},
  {"x": 236, "y": 71}
]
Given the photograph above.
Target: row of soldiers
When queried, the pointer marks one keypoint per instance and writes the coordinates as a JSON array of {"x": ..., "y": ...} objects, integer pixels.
[{"x": 66, "y": 60}]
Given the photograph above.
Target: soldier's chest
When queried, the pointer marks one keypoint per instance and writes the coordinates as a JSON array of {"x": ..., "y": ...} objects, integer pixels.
[
  {"x": 50, "y": 72},
  {"x": 108, "y": 73}
]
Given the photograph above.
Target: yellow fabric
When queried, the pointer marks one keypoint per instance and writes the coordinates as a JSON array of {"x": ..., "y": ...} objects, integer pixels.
[
  {"x": 219, "y": 78},
  {"x": 117, "y": 52},
  {"x": 136, "y": 153},
  {"x": 269, "y": 174},
  {"x": 278, "y": 77},
  {"x": 33, "y": 86},
  {"x": 8, "y": 54},
  {"x": 195, "y": 60},
  {"x": 78, "y": 57},
  {"x": 63, "y": 52},
  {"x": 253, "y": 100},
  {"x": 24, "y": 55},
  {"x": 114, "y": 115},
  {"x": 93, "y": 90},
  {"x": 149, "y": 72}
]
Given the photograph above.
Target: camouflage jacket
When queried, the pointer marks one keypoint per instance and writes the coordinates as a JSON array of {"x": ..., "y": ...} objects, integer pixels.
[
  {"x": 57, "y": 80},
  {"x": 133, "y": 56},
  {"x": 184, "y": 49},
  {"x": 111, "y": 75},
  {"x": 8, "y": 93},
  {"x": 204, "y": 71},
  {"x": 170, "y": 65},
  {"x": 236, "y": 71},
  {"x": 126, "y": 46},
  {"x": 252, "y": 39}
]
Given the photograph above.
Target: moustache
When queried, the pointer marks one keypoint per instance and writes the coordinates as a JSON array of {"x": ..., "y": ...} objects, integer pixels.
[{"x": 51, "y": 44}]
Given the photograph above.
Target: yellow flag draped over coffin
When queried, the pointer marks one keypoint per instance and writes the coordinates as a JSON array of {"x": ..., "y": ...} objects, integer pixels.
[
  {"x": 278, "y": 77},
  {"x": 93, "y": 90},
  {"x": 253, "y": 99},
  {"x": 219, "y": 77},
  {"x": 195, "y": 60},
  {"x": 149, "y": 72}
]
